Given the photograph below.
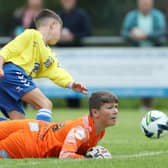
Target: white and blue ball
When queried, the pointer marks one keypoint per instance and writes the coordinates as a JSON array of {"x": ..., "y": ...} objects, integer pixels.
[{"x": 154, "y": 124}]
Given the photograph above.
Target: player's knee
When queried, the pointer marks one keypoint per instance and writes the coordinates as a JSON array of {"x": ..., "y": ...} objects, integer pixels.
[
  {"x": 50, "y": 104},
  {"x": 47, "y": 104}
]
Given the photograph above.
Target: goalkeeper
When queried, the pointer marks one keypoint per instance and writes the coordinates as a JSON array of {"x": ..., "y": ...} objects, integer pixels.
[
  {"x": 69, "y": 139},
  {"x": 29, "y": 56}
]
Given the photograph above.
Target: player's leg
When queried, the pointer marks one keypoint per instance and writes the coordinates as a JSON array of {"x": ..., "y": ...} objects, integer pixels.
[
  {"x": 16, "y": 115},
  {"x": 16, "y": 84},
  {"x": 38, "y": 100},
  {"x": 9, "y": 149},
  {"x": 23, "y": 143},
  {"x": 12, "y": 86},
  {"x": 13, "y": 146},
  {"x": 13, "y": 115},
  {"x": 11, "y": 126},
  {"x": 11, "y": 108}
]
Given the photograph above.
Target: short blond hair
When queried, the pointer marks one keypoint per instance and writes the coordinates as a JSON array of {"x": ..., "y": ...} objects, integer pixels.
[{"x": 46, "y": 14}]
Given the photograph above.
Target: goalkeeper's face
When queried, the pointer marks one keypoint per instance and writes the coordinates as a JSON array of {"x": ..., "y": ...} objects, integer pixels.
[{"x": 107, "y": 114}]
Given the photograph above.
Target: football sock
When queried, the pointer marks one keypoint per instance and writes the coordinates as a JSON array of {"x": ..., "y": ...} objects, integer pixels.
[
  {"x": 3, "y": 118},
  {"x": 44, "y": 114}
]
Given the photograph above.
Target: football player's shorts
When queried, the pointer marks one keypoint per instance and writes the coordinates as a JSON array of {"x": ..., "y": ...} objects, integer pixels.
[{"x": 13, "y": 86}]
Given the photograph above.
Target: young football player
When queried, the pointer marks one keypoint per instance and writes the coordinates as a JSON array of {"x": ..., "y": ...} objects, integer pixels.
[
  {"x": 29, "y": 56},
  {"x": 69, "y": 139}
]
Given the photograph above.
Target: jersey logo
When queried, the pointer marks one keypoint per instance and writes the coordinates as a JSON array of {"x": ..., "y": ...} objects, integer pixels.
[
  {"x": 20, "y": 76},
  {"x": 57, "y": 127},
  {"x": 27, "y": 84},
  {"x": 35, "y": 69},
  {"x": 22, "y": 80},
  {"x": 48, "y": 62},
  {"x": 79, "y": 133},
  {"x": 34, "y": 126},
  {"x": 35, "y": 44},
  {"x": 18, "y": 73},
  {"x": 19, "y": 89}
]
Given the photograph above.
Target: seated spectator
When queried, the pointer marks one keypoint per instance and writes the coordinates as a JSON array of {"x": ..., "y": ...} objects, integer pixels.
[
  {"x": 76, "y": 23},
  {"x": 23, "y": 17},
  {"x": 144, "y": 27}
]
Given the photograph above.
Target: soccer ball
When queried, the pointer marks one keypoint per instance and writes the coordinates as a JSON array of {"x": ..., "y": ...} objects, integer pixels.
[
  {"x": 98, "y": 152},
  {"x": 154, "y": 124}
]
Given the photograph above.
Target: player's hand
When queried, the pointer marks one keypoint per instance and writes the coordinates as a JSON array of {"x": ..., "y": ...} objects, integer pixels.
[
  {"x": 98, "y": 152},
  {"x": 1, "y": 73},
  {"x": 78, "y": 87},
  {"x": 137, "y": 34}
]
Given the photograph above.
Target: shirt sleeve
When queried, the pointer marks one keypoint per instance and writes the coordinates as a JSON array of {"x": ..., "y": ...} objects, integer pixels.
[
  {"x": 159, "y": 33},
  {"x": 75, "y": 138},
  {"x": 60, "y": 77},
  {"x": 127, "y": 25},
  {"x": 57, "y": 74},
  {"x": 16, "y": 46}
]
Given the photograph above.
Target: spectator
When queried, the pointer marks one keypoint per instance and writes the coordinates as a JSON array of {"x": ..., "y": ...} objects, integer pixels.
[
  {"x": 23, "y": 17},
  {"x": 144, "y": 27},
  {"x": 76, "y": 25}
]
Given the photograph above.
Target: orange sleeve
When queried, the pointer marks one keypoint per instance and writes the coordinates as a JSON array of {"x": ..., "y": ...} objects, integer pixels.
[{"x": 74, "y": 139}]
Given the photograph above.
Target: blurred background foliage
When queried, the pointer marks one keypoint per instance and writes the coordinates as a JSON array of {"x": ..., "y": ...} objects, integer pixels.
[{"x": 106, "y": 16}]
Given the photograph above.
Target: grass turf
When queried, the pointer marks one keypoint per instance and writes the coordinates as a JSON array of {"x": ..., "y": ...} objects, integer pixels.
[{"x": 129, "y": 147}]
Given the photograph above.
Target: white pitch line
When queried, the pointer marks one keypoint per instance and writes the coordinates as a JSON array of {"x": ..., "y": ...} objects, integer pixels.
[
  {"x": 136, "y": 155},
  {"x": 139, "y": 155}
]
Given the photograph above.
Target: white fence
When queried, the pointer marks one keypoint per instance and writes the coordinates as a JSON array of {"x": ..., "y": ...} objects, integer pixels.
[{"x": 128, "y": 72}]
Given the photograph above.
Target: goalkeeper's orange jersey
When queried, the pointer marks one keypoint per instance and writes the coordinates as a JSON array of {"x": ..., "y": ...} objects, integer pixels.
[{"x": 39, "y": 139}]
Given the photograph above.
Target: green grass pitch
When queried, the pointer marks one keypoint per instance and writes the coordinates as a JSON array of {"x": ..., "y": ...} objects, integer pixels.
[{"x": 129, "y": 147}]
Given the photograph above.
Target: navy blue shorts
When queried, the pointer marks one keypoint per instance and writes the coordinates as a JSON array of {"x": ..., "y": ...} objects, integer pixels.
[{"x": 13, "y": 86}]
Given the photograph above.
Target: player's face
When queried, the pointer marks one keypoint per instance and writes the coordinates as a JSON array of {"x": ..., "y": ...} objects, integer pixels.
[
  {"x": 108, "y": 114},
  {"x": 35, "y": 3},
  {"x": 55, "y": 33},
  {"x": 145, "y": 6},
  {"x": 68, "y": 4}
]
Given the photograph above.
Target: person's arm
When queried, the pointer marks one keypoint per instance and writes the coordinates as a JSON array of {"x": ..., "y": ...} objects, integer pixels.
[
  {"x": 158, "y": 34},
  {"x": 128, "y": 25},
  {"x": 1, "y": 67},
  {"x": 78, "y": 87},
  {"x": 62, "y": 78},
  {"x": 74, "y": 139},
  {"x": 126, "y": 28}
]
